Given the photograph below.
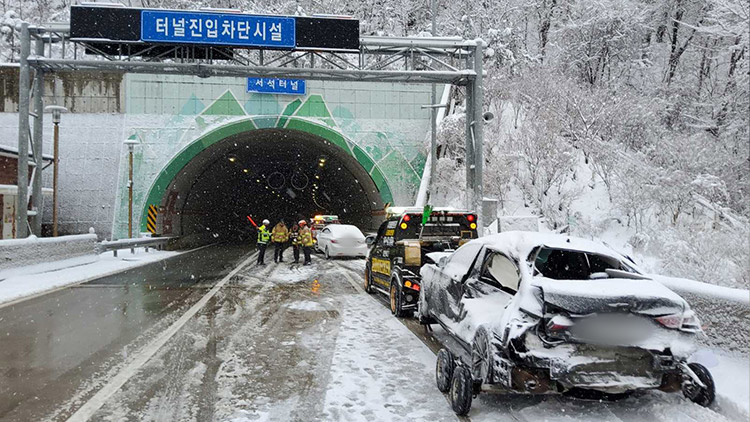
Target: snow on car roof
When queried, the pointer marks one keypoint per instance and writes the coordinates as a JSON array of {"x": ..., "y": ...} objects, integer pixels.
[
  {"x": 520, "y": 244},
  {"x": 342, "y": 229}
]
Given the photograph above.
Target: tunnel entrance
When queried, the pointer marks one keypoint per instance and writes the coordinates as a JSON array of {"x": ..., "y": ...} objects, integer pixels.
[{"x": 274, "y": 174}]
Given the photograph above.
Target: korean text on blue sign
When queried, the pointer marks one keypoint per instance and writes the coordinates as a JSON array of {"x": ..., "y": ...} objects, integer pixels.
[
  {"x": 217, "y": 28},
  {"x": 276, "y": 86}
]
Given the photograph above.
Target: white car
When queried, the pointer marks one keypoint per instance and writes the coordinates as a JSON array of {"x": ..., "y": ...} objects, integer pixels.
[{"x": 342, "y": 240}]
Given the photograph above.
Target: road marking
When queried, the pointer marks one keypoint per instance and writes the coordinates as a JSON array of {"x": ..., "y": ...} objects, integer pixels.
[
  {"x": 348, "y": 278},
  {"x": 85, "y": 412}
]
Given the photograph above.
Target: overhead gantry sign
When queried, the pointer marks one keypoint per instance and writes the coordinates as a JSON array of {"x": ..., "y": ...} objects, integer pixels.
[{"x": 224, "y": 43}]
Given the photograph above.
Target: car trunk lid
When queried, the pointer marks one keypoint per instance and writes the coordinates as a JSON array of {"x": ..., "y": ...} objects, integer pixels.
[{"x": 582, "y": 297}]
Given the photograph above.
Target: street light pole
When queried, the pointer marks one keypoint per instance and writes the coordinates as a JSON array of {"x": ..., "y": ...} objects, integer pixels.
[
  {"x": 56, "y": 113},
  {"x": 131, "y": 142}
]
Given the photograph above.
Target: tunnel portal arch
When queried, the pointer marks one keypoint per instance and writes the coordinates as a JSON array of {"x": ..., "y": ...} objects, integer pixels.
[{"x": 188, "y": 189}]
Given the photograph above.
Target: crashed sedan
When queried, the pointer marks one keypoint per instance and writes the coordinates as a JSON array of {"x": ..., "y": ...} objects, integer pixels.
[{"x": 545, "y": 313}]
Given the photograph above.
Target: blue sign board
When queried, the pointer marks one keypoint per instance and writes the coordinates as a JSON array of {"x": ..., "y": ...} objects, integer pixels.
[
  {"x": 276, "y": 86},
  {"x": 218, "y": 29}
]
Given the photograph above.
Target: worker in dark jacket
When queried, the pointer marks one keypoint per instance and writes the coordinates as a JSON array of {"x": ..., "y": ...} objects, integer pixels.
[{"x": 294, "y": 238}]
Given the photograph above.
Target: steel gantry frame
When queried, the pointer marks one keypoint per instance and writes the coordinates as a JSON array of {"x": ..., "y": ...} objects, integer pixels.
[{"x": 428, "y": 60}]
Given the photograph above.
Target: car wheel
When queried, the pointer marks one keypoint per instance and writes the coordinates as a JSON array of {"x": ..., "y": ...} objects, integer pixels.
[
  {"x": 328, "y": 254},
  {"x": 396, "y": 299},
  {"x": 481, "y": 356},
  {"x": 444, "y": 368},
  {"x": 462, "y": 390},
  {"x": 697, "y": 394},
  {"x": 368, "y": 279}
]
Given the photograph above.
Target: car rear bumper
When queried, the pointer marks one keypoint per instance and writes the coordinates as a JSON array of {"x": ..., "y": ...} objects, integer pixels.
[
  {"x": 581, "y": 366},
  {"x": 344, "y": 250}
]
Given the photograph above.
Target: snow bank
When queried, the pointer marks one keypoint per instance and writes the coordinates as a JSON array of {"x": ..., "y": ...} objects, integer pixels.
[
  {"x": 26, "y": 285},
  {"x": 34, "y": 255}
]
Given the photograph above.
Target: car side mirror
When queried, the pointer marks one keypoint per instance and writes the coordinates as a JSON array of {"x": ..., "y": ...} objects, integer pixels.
[{"x": 370, "y": 240}]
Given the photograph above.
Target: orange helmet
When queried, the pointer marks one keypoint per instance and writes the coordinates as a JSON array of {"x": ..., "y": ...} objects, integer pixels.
[{"x": 302, "y": 223}]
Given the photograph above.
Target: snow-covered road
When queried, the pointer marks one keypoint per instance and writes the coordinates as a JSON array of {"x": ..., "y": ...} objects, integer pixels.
[{"x": 288, "y": 343}]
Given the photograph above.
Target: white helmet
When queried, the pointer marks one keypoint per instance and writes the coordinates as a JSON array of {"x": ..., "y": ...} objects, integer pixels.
[{"x": 266, "y": 222}]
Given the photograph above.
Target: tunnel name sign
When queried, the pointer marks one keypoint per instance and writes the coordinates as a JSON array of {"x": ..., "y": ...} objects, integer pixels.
[
  {"x": 217, "y": 28},
  {"x": 277, "y": 86}
]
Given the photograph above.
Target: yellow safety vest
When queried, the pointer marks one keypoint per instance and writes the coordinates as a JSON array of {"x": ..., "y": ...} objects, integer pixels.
[
  {"x": 263, "y": 235},
  {"x": 305, "y": 237},
  {"x": 280, "y": 234}
]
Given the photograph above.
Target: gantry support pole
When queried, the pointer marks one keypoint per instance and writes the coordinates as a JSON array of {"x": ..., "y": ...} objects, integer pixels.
[
  {"x": 433, "y": 118},
  {"x": 37, "y": 199},
  {"x": 23, "y": 134},
  {"x": 469, "y": 142},
  {"x": 478, "y": 136}
]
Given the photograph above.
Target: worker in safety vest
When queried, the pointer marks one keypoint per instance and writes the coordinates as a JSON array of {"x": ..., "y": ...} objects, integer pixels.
[
  {"x": 279, "y": 236},
  {"x": 264, "y": 236},
  {"x": 306, "y": 240},
  {"x": 294, "y": 238}
]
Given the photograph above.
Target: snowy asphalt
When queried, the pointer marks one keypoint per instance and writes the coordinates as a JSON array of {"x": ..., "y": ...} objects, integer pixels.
[{"x": 211, "y": 336}]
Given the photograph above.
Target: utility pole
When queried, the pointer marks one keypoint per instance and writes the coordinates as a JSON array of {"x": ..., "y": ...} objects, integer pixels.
[
  {"x": 478, "y": 135},
  {"x": 56, "y": 112},
  {"x": 131, "y": 142},
  {"x": 37, "y": 199},
  {"x": 22, "y": 215}
]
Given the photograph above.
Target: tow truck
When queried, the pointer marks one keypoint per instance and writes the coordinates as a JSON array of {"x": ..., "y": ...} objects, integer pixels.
[{"x": 402, "y": 244}]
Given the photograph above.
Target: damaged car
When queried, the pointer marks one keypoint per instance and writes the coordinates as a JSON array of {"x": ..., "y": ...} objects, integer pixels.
[{"x": 541, "y": 313}]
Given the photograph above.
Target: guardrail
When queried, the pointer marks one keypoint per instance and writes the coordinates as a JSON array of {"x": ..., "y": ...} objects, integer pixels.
[{"x": 146, "y": 242}]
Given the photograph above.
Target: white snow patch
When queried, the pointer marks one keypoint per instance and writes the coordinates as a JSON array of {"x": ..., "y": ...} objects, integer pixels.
[{"x": 306, "y": 305}]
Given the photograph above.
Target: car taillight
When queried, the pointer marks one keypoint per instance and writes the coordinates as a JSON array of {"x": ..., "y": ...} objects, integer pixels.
[
  {"x": 685, "y": 322},
  {"x": 334, "y": 241},
  {"x": 407, "y": 218},
  {"x": 559, "y": 323},
  {"x": 470, "y": 217},
  {"x": 670, "y": 321}
]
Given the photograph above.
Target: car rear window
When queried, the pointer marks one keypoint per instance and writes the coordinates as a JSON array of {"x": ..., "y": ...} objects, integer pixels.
[{"x": 563, "y": 264}]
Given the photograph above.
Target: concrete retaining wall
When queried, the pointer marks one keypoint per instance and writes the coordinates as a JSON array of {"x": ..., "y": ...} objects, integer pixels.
[{"x": 35, "y": 255}]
